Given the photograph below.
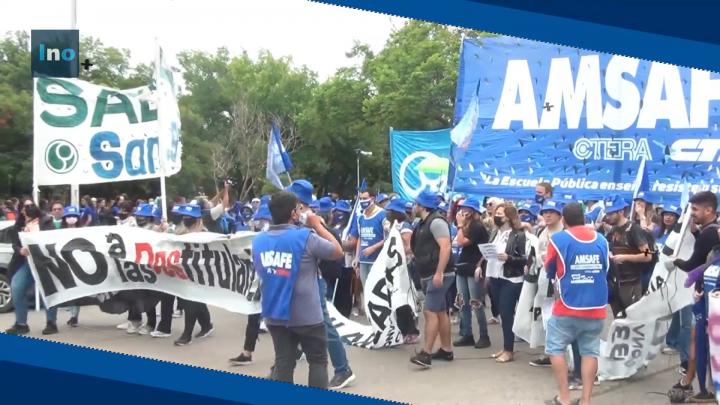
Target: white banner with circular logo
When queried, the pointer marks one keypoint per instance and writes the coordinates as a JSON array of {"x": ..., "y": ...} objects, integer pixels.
[{"x": 86, "y": 134}]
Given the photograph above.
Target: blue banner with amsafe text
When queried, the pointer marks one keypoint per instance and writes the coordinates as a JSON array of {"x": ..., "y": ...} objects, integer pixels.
[{"x": 527, "y": 112}]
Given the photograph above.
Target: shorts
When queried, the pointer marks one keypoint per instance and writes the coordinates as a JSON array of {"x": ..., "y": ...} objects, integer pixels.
[
  {"x": 562, "y": 331},
  {"x": 435, "y": 300}
]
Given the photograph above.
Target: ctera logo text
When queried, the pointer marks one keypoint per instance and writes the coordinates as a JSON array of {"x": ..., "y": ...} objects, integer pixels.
[{"x": 55, "y": 53}]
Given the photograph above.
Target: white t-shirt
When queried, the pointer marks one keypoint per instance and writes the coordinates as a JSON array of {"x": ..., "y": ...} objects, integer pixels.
[{"x": 494, "y": 266}]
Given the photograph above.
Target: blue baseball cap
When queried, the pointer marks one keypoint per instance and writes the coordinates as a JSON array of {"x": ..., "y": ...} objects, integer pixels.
[
  {"x": 427, "y": 199},
  {"x": 381, "y": 197},
  {"x": 397, "y": 205},
  {"x": 325, "y": 204},
  {"x": 303, "y": 190},
  {"x": 157, "y": 211},
  {"x": 643, "y": 196},
  {"x": 672, "y": 209},
  {"x": 617, "y": 203},
  {"x": 314, "y": 205},
  {"x": 144, "y": 210},
  {"x": 408, "y": 206},
  {"x": 343, "y": 206},
  {"x": 71, "y": 211},
  {"x": 533, "y": 209},
  {"x": 187, "y": 210},
  {"x": 553, "y": 205},
  {"x": 443, "y": 206},
  {"x": 473, "y": 204},
  {"x": 263, "y": 212}
]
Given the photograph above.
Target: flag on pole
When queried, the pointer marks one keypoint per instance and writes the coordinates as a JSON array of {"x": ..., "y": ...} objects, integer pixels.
[
  {"x": 685, "y": 196},
  {"x": 278, "y": 160},
  {"x": 356, "y": 212},
  {"x": 641, "y": 184}
]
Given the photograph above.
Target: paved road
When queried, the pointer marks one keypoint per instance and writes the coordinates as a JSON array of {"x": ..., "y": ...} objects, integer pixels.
[{"x": 473, "y": 378}]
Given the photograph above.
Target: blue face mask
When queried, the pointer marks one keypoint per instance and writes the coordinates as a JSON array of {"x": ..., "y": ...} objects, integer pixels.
[
  {"x": 539, "y": 199},
  {"x": 364, "y": 204},
  {"x": 527, "y": 218}
]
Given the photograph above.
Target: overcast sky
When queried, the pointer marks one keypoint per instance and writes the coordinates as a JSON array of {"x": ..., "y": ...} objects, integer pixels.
[{"x": 315, "y": 35}]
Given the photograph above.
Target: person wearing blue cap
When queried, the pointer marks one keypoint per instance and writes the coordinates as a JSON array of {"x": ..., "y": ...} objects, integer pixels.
[
  {"x": 630, "y": 257},
  {"x": 551, "y": 214},
  {"x": 395, "y": 214},
  {"x": 303, "y": 191},
  {"x": 382, "y": 200},
  {"x": 593, "y": 213},
  {"x": 432, "y": 249},
  {"x": 70, "y": 220},
  {"x": 369, "y": 233},
  {"x": 192, "y": 219},
  {"x": 144, "y": 216},
  {"x": 670, "y": 217},
  {"x": 528, "y": 214},
  {"x": 285, "y": 258},
  {"x": 643, "y": 212},
  {"x": 471, "y": 289},
  {"x": 340, "y": 215}
]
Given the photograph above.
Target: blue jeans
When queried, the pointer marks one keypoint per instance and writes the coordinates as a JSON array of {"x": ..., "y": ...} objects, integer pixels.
[
  {"x": 678, "y": 336},
  {"x": 21, "y": 282},
  {"x": 473, "y": 298},
  {"x": 364, "y": 272},
  {"x": 563, "y": 331},
  {"x": 338, "y": 358},
  {"x": 507, "y": 295}
]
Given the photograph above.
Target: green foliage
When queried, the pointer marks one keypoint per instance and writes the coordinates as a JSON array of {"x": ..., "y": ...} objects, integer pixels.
[{"x": 409, "y": 84}]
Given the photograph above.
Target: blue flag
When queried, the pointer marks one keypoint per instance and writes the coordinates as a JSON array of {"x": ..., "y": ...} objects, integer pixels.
[
  {"x": 278, "y": 160},
  {"x": 642, "y": 182}
]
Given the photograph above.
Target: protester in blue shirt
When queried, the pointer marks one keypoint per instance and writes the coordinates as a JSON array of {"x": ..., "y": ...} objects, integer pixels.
[
  {"x": 285, "y": 258},
  {"x": 670, "y": 217},
  {"x": 369, "y": 232},
  {"x": 303, "y": 190}
]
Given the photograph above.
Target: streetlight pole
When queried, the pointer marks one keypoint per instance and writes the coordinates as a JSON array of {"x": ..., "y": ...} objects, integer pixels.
[{"x": 358, "y": 153}]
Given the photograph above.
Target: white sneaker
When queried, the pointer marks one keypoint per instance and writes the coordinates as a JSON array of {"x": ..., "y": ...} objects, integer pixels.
[
  {"x": 263, "y": 327},
  {"x": 124, "y": 325},
  {"x": 133, "y": 328},
  {"x": 158, "y": 334},
  {"x": 145, "y": 330},
  {"x": 177, "y": 313},
  {"x": 669, "y": 351}
]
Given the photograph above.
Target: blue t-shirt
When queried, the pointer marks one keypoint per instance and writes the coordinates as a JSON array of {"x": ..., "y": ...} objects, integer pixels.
[{"x": 369, "y": 231}]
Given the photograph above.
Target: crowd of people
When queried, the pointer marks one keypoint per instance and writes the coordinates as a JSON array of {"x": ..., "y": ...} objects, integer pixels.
[{"x": 610, "y": 248}]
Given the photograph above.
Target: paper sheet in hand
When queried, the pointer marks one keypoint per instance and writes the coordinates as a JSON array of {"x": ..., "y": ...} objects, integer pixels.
[{"x": 488, "y": 250}]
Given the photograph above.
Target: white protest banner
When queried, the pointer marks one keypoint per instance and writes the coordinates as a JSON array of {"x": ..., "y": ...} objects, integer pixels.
[
  {"x": 85, "y": 133},
  {"x": 211, "y": 268},
  {"x": 529, "y": 316},
  {"x": 634, "y": 341},
  {"x": 387, "y": 288}
]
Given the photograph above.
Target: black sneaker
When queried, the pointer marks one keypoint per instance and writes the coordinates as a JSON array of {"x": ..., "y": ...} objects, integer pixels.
[
  {"x": 443, "y": 355},
  {"x": 50, "y": 329},
  {"x": 73, "y": 322},
  {"x": 703, "y": 398},
  {"x": 341, "y": 380},
  {"x": 205, "y": 333},
  {"x": 183, "y": 340},
  {"x": 18, "y": 330},
  {"x": 483, "y": 343},
  {"x": 464, "y": 341},
  {"x": 541, "y": 362},
  {"x": 241, "y": 360},
  {"x": 422, "y": 359}
]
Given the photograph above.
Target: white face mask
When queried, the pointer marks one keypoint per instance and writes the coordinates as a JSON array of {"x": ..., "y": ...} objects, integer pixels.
[{"x": 71, "y": 220}]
